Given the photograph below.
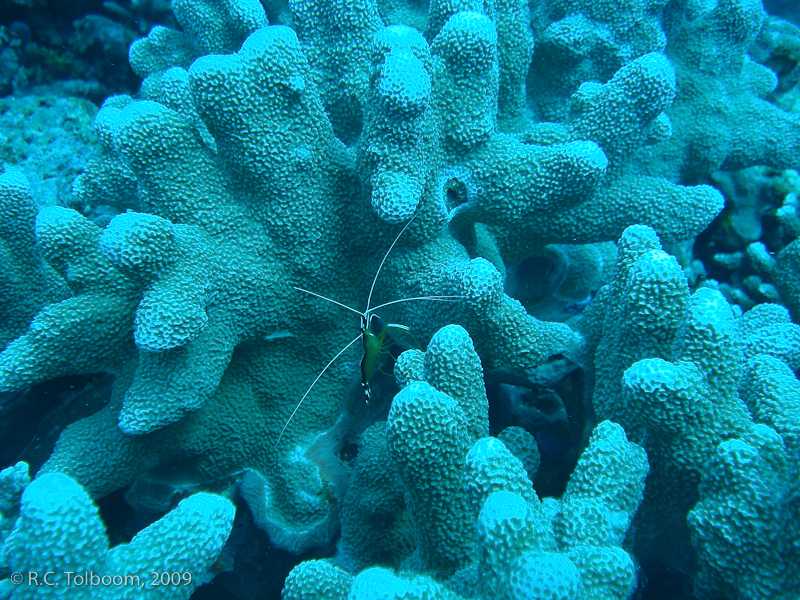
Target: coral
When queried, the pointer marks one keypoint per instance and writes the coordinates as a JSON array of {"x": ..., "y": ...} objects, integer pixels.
[
  {"x": 700, "y": 389},
  {"x": 745, "y": 526},
  {"x": 317, "y": 580},
  {"x": 490, "y": 466},
  {"x": 667, "y": 369},
  {"x": 544, "y": 575},
  {"x": 506, "y": 527},
  {"x": 636, "y": 316},
  {"x": 523, "y": 446},
  {"x": 467, "y": 502},
  {"x": 381, "y": 584},
  {"x": 772, "y": 395},
  {"x": 59, "y": 532},
  {"x": 453, "y": 368},
  {"x": 208, "y": 28},
  {"x": 607, "y": 123},
  {"x": 28, "y": 283},
  {"x": 377, "y": 518},
  {"x": 592, "y": 518},
  {"x": 277, "y": 149},
  {"x": 580, "y": 40},
  {"x": 722, "y": 120},
  {"x": 199, "y": 271},
  {"x": 13, "y": 481},
  {"x": 767, "y": 329},
  {"x": 610, "y": 472},
  {"x": 786, "y": 278},
  {"x": 443, "y": 522},
  {"x": 377, "y": 528},
  {"x": 521, "y": 543}
]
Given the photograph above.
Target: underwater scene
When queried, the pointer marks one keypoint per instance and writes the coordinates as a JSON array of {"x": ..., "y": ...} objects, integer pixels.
[{"x": 400, "y": 299}]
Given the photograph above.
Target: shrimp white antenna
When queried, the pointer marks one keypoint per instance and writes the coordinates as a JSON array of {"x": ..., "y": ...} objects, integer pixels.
[
  {"x": 299, "y": 289},
  {"x": 385, "y": 256},
  {"x": 366, "y": 320},
  {"x": 308, "y": 391},
  {"x": 433, "y": 298}
]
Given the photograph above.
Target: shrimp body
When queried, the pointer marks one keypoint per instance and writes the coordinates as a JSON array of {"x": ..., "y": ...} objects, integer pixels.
[
  {"x": 373, "y": 347},
  {"x": 377, "y": 340},
  {"x": 375, "y": 335}
]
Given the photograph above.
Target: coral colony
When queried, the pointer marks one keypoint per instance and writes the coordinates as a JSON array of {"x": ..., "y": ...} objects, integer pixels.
[{"x": 581, "y": 215}]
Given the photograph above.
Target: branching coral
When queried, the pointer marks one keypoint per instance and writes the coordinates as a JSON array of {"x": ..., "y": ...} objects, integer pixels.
[
  {"x": 480, "y": 529},
  {"x": 670, "y": 369},
  {"x": 262, "y": 158},
  {"x": 239, "y": 189},
  {"x": 59, "y": 548}
]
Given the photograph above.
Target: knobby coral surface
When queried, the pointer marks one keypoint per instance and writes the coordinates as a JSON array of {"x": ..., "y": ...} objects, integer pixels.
[
  {"x": 275, "y": 157},
  {"x": 237, "y": 190},
  {"x": 711, "y": 396},
  {"x": 477, "y": 527},
  {"x": 58, "y": 544}
]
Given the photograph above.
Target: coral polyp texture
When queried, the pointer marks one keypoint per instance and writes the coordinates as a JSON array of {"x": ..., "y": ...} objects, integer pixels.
[
  {"x": 289, "y": 170},
  {"x": 477, "y": 527},
  {"x": 59, "y": 543},
  {"x": 29, "y": 282},
  {"x": 710, "y": 394}
]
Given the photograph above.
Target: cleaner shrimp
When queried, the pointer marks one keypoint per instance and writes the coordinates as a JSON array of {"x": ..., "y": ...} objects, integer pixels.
[{"x": 374, "y": 335}]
